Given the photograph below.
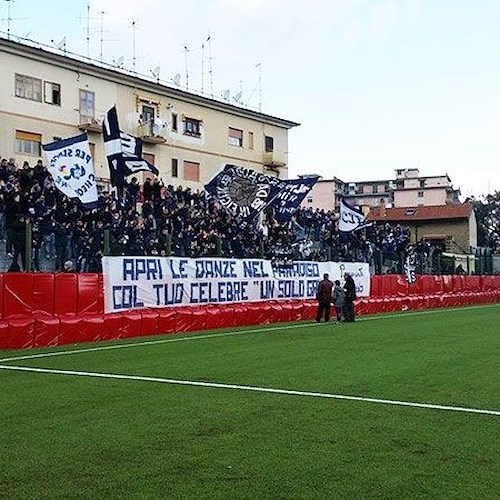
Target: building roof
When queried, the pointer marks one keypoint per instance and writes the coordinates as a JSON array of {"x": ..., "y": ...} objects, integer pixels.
[
  {"x": 407, "y": 214},
  {"x": 107, "y": 72}
]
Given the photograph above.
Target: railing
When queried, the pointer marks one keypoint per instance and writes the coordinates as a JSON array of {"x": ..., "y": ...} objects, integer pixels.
[{"x": 50, "y": 255}]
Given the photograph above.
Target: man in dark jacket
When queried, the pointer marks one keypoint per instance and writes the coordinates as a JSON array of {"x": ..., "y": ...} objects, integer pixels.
[
  {"x": 350, "y": 297},
  {"x": 324, "y": 297}
]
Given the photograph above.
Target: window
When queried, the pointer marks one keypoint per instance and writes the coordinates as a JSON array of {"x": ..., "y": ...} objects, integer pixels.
[
  {"x": 420, "y": 194},
  {"x": 192, "y": 127},
  {"x": 52, "y": 93},
  {"x": 375, "y": 189},
  {"x": 191, "y": 171},
  {"x": 147, "y": 119},
  {"x": 175, "y": 167},
  {"x": 422, "y": 184},
  {"x": 235, "y": 137},
  {"x": 174, "y": 122},
  {"x": 27, "y": 143},
  {"x": 28, "y": 88},
  {"x": 92, "y": 150},
  {"x": 87, "y": 106},
  {"x": 250, "y": 140},
  {"x": 269, "y": 144}
]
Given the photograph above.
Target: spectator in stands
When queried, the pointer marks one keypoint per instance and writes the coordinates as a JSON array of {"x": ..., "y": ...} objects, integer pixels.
[{"x": 324, "y": 298}]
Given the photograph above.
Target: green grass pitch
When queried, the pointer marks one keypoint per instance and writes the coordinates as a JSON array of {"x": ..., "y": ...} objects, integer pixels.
[{"x": 258, "y": 412}]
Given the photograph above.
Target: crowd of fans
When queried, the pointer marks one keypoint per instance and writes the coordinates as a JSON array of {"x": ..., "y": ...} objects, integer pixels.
[{"x": 158, "y": 219}]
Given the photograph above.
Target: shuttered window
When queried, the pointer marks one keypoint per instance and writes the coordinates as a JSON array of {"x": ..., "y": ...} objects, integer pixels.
[
  {"x": 27, "y": 143},
  {"x": 235, "y": 137},
  {"x": 191, "y": 171}
]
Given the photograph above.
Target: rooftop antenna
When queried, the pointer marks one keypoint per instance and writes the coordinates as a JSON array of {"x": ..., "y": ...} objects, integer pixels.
[
  {"x": 87, "y": 27},
  {"x": 202, "y": 67},
  {"x": 61, "y": 45},
  {"x": 186, "y": 50},
  {"x": 9, "y": 19},
  {"x": 101, "y": 31},
  {"x": 259, "y": 86},
  {"x": 176, "y": 80},
  {"x": 210, "y": 74},
  {"x": 88, "y": 30},
  {"x": 156, "y": 73},
  {"x": 259, "y": 65},
  {"x": 133, "y": 26}
]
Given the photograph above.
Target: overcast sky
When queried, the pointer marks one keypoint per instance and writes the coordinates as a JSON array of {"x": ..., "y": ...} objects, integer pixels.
[{"x": 376, "y": 84}]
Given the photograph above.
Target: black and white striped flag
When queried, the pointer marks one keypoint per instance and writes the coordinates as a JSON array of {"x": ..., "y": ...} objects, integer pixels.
[{"x": 124, "y": 151}]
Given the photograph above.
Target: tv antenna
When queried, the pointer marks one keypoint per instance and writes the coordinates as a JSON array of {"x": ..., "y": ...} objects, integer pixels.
[
  {"x": 61, "y": 45},
  {"x": 258, "y": 86},
  {"x": 186, "y": 50},
  {"x": 101, "y": 31},
  {"x": 87, "y": 18},
  {"x": 210, "y": 74},
  {"x": 133, "y": 26},
  {"x": 156, "y": 73},
  {"x": 10, "y": 19}
]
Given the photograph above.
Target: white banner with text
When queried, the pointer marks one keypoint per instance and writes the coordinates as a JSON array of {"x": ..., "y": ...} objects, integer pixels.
[{"x": 139, "y": 282}]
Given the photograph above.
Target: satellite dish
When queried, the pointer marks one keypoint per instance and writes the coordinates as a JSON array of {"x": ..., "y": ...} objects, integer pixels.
[
  {"x": 61, "y": 45},
  {"x": 176, "y": 80},
  {"x": 237, "y": 97},
  {"x": 119, "y": 62},
  {"x": 156, "y": 73},
  {"x": 225, "y": 95}
]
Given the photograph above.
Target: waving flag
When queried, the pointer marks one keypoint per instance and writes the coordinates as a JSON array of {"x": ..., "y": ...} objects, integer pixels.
[
  {"x": 124, "y": 151},
  {"x": 290, "y": 196},
  {"x": 243, "y": 192},
  {"x": 351, "y": 218},
  {"x": 70, "y": 165}
]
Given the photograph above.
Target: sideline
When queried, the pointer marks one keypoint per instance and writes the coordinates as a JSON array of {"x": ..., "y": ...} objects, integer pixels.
[
  {"x": 252, "y": 388},
  {"x": 189, "y": 337}
]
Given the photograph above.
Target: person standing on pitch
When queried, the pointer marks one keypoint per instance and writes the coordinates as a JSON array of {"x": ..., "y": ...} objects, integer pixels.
[
  {"x": 324, "y": 297},
  {"x": 350, "y": 297},
  {"x": 338, "y": 299}
]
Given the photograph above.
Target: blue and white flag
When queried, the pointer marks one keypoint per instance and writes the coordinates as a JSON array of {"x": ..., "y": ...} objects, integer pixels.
[
  {"x": 351, "y": 218},
  {"x": 290, "y": 196},
  {"x": 243, "y": 192},
  {"x": 124, "y": 151},
  {"x": 70, "y": 163}
]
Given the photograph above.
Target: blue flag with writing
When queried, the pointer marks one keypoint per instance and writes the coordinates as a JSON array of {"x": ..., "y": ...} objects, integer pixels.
[
  {"x": 291, "y": 194},
  {"x": 243, "y": 192}
]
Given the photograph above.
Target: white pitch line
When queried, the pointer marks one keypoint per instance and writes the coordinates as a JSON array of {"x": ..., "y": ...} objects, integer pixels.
[
  {"x": 227, "y": 334},
  {"x": 151, "y": 342},
  {"x": 252, "y": 388}
]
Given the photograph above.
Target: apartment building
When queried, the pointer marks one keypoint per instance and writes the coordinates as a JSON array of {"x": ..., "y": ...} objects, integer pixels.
[
  {"x": 408, "y": 189},
  {"x": 47, "y": 95},
  {"x": 412, "y": 190}
]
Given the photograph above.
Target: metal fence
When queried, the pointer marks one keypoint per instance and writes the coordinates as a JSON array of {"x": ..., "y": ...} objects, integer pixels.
[{"x": 25, "y": 254}]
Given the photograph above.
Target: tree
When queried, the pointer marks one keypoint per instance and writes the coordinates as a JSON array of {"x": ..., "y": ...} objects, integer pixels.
[{"x": 487, "y": 210}]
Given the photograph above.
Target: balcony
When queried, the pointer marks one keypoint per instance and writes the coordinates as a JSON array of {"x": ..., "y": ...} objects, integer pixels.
[
  {"x": 274, "y": 161},
  {"x": 148, "y": 134},
  {"x": 90, "y": 125}
]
